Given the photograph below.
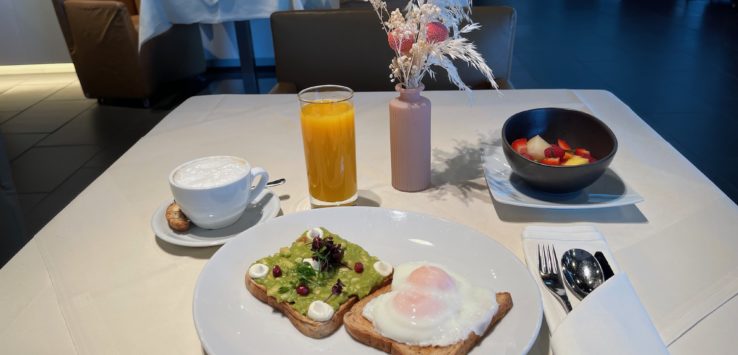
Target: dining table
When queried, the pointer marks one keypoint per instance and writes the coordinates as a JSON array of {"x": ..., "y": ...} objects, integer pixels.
[
  {"x": 157, "y": 16},
  {"x": 96, "y": 279}
]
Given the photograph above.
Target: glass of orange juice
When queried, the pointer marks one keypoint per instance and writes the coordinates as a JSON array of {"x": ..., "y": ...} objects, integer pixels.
[{"x": 327, "y": 119}]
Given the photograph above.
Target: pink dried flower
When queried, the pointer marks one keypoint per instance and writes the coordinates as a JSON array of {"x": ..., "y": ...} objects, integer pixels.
[
  {"x": 436, "y": 32},
  {"x": 428, "y": 35},
  {"x": 400, "y": 42}
]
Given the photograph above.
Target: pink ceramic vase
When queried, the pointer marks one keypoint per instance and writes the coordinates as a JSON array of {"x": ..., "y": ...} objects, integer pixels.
[{"x": 410, "y": 143}]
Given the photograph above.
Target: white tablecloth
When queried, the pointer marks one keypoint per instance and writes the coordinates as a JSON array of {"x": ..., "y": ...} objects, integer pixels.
[
  {"x": 96, "y": 280},
  {"x": 157, "y": 16}
]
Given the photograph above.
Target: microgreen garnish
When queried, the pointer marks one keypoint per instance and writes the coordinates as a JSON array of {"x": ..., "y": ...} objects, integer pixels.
[
  {"x": 328, "y": 254},
  {"x": 307, "y": 276},
  {"x": 335, "y": 290}
]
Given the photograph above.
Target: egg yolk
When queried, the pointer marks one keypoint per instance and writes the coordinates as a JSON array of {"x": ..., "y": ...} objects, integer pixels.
[
  {"x": 431, "y": 277},
  {"x": 415, "y": 304}
]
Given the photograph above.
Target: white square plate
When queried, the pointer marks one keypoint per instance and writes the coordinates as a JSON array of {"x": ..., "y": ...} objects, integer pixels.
[{"x": 506, "y": 187}]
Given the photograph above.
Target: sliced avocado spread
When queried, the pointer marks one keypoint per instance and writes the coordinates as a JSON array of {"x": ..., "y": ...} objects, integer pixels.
[{"x": 320, "y": 283}]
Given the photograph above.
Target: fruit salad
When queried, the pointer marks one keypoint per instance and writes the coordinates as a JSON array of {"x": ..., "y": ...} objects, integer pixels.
[{"x": 559, "y": 154}]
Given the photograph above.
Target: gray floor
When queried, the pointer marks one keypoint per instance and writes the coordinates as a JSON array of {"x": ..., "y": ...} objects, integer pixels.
[
  {"x": 57, "y": 142},
  {"x": 674, "y": 62},
  {"x": 54, "y": 142}
]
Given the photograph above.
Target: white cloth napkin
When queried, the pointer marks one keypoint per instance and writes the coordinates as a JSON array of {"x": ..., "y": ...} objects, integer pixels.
[{"x": 610, "y": 320}]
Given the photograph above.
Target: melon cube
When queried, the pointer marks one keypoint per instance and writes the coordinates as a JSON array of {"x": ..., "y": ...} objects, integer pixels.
[{"x": 537, "y": 147}]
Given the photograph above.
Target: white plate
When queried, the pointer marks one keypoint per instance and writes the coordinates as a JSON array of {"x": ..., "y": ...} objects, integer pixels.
[
  {"x": 229, "y": 320},
  {"x": 265, "y": 209},
  {"x": 506, "y": 187}
]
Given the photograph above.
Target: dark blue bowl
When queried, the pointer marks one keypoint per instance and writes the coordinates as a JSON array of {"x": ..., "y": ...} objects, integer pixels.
[{"x": 579, "y": 129}]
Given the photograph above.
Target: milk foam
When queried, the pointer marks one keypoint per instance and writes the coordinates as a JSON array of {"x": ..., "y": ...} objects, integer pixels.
[{"x": 210, "y": 172}]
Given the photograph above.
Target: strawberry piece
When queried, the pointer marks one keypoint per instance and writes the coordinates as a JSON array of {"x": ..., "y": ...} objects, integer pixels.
[
  {"x": 551, "y": 161},
  {"x": 592, "y": 159},
  {"x": 554, "y": 151},
  {"x": 562, "y": 143},
  {"x": 582, "y": 153},
  {"x": 520, "y": 145},
  {"x": 527, "y": 156}
]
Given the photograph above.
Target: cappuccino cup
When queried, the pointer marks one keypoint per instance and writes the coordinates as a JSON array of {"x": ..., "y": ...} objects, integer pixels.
[{"x": 214, "y": 191}]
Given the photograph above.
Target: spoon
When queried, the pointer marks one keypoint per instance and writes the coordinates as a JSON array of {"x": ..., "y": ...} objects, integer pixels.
[
  {"x": 276, "y": 182},
  {"x": 581, "y": 271}
]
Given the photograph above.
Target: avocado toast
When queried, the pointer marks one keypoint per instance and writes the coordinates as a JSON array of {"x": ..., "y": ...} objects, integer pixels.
[{"x": 316, "y": 280}]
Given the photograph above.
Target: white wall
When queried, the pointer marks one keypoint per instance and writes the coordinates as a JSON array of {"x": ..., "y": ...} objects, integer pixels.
[{"x": 30, "y": 33}]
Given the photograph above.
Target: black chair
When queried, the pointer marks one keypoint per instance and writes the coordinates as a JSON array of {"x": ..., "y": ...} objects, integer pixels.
[{"x": 348, "y": 47}]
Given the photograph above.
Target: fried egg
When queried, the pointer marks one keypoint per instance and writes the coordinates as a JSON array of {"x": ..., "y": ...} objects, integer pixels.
[{"x": 430, "y": 305}]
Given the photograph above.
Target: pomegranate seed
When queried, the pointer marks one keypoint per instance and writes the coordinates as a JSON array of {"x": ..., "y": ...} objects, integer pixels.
[
  {"x": 277, "y": 271},
  {"x": 302, "y": 290},
  {"x": 359, "y": 268}
]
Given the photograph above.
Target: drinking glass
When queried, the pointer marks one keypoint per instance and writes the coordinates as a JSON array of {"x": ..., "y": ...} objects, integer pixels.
[{"x": 327, "y": 120}]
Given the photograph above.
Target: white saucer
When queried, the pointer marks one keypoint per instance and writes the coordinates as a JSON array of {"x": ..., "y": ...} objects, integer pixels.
[
  {"x": 507, "y": 188},
  {"x": 265, "y": 209}
]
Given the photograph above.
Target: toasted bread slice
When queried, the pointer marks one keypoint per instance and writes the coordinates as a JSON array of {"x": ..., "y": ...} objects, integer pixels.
[
  {"x": 363, "y": 330},
  {"x": 304, "y": 324}
]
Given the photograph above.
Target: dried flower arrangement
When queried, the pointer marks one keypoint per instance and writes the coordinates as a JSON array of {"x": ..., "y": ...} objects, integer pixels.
[{"x": 421, "y": 40}]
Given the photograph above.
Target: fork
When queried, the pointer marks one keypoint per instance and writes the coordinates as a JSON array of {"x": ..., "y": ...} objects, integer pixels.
[{"x": 548, "y": 266}]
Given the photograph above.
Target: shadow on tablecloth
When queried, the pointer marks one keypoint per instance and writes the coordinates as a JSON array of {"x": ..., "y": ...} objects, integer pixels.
[
  {"x": 197, "y": 253},
  {"x": 458, "y": 172}
]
